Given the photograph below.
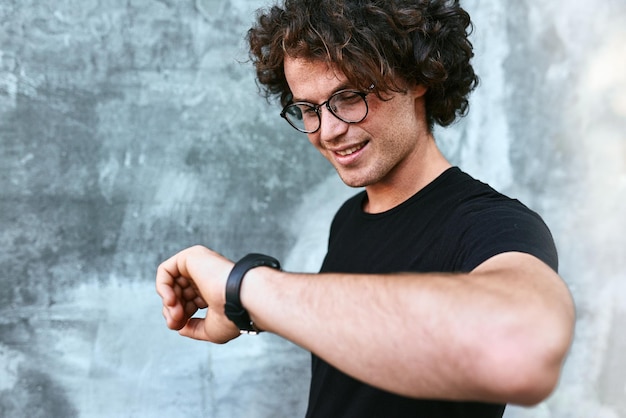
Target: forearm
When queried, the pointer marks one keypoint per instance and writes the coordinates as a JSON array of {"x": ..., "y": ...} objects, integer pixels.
[
  {"x": 349, "y": 322},
  {"x": 433, "y": 336}
]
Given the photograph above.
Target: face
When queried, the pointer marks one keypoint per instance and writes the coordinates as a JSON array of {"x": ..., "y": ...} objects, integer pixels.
[{"x": 382, "y": 148}]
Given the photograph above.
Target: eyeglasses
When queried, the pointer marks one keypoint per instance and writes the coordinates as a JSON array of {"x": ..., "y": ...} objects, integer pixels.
[{"x": 349, "y": 106}]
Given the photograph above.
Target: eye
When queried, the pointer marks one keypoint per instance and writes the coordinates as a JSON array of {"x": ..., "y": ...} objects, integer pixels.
[
  {"x": 347, "y": 98},
  {"x": 293, "y": 111},
  {"x": 308, "y": 111}
]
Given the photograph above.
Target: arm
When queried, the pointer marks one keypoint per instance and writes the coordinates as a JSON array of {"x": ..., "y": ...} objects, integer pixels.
[{"x": 497, "y": 334}]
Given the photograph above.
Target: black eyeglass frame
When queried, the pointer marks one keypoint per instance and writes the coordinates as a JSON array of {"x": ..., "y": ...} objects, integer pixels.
[{"x": 317, "y": 107}]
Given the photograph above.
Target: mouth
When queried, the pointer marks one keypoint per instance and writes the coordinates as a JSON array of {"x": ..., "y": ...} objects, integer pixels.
[{"x": 349, "y": 151}]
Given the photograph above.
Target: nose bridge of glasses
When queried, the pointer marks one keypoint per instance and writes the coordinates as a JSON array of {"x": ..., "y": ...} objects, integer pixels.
[
  {"x": 326, "y": 104},
  {"x": 331, "y": 106}
]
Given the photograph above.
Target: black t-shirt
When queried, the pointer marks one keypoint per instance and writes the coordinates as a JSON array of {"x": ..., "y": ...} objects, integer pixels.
[{"x": 452, "y": 225}]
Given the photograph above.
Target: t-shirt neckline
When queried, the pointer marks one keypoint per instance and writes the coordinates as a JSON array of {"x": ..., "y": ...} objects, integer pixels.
[{"x": 416, "y": 197}]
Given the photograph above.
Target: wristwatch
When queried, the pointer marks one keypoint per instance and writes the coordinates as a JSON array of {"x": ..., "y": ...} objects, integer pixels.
[{"x": 233, "y": 307}]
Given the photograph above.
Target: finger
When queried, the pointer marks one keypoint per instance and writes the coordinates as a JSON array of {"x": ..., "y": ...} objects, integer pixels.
[
  {"x": 177, "y": 316},
  {"x": 191, "y": 308},
  {"x": 165, "y": 287},
  {"x": 200, "y": 302},
  {"x": 178, "y": 291},
  {"x": 169, "y": 274},
  {"x": 189, "y": 294},
  {"x": 183, "y": 282},
  {"x": 169, "y": 297},
  {"x": 210, "y": 329},
  {"x": 170, "y": 321},
  {"x": 194, "y": 328}
]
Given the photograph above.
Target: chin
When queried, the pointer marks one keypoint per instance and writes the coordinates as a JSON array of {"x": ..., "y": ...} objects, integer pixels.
[{"x": 353, "y": 181}]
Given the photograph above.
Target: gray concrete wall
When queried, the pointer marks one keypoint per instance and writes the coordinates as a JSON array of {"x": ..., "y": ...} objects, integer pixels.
[{"x": 132, "y": 129}]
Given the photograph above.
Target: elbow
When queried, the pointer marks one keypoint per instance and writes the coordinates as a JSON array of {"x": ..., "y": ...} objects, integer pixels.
[
  {"x": 528, "y": 370},
  {"x": 523, "y": 382},
  {"x": 530, "y": 387},
  {"x": 537, "y": 376}
]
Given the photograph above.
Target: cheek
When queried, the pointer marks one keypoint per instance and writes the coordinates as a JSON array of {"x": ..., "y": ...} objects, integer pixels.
[
  {"x": 400, "y": 109},
  {"x": 313, "y": 139}
]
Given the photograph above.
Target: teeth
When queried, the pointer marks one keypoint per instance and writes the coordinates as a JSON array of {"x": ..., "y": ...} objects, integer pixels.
[{"x": 350, "y": 151}]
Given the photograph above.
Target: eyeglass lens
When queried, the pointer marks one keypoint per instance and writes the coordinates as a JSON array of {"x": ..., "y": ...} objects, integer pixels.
[{"x": 349, "y": 106}]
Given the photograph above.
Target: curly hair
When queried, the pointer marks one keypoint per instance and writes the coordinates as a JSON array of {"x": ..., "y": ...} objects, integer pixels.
[{"x": 381, "y": 42}]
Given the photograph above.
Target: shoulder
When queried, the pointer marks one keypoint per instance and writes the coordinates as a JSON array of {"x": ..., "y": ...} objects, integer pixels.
[
  {"x": 474, "y": 198},
  {"x": 491, "y": 223}
]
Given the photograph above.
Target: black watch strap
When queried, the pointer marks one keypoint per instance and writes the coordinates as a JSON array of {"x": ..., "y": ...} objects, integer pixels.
[{"x": 233, "y": 307}]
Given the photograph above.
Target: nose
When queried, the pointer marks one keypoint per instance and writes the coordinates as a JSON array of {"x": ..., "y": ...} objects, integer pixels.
[{"x": 331, "y": 127}]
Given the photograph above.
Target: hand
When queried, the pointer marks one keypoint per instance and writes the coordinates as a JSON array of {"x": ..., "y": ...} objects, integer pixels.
[{"x": 195, "y": 279}]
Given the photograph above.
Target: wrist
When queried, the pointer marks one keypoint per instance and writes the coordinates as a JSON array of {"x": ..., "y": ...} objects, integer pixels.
[
  {"x": 234, "y": 308},
  {"x": 254, "y": 295}
]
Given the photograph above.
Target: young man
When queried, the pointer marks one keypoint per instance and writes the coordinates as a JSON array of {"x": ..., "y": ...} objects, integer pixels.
[{"x": 438, "y": 296}]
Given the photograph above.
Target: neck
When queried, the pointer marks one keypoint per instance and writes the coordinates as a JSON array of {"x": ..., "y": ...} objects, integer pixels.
[{"x": 419, "y": 169}]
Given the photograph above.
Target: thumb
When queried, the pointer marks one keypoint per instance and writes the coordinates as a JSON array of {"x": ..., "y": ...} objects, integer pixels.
[{"x": 203, "y": 329}]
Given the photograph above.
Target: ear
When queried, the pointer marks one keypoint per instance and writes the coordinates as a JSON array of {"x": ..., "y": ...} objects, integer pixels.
[{"x": 418, "y": 90}]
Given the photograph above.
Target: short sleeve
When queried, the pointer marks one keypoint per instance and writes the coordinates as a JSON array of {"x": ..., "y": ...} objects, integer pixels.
[{"x": 503, "y": 227}]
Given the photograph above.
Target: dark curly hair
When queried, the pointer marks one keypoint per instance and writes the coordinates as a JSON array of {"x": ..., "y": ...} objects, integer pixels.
[{"x": 381, "y": 42}]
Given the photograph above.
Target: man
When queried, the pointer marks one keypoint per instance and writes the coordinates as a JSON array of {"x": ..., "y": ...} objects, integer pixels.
[{"x": 438, "y": 296}]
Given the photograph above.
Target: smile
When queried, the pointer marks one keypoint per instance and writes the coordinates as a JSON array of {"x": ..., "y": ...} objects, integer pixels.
[{"x": 352, "y": 150}]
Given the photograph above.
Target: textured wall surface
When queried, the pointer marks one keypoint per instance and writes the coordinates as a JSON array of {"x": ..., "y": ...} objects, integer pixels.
[{"x": 132, "y": 129}]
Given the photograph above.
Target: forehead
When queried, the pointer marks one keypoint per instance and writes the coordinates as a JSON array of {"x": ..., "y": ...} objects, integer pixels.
[{"x": 312, "y": 80}]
